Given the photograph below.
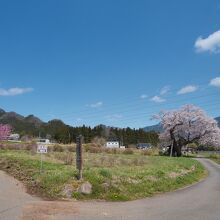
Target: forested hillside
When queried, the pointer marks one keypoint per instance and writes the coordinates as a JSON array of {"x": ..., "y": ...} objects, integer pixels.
[{"x": 60, "y": 132}]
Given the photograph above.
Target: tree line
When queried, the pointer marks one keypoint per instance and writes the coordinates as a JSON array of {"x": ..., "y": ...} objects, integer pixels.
[{"x": 58, "y": 131}]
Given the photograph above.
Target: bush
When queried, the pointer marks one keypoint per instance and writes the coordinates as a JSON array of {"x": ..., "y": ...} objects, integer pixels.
[
  {"x": 105, "y": 173},
  {"x": 65, "y": 157},
  {"x": 71, "y": 148},
  {"x": 58, "y": 148},
  {"x": 31, "y": 146},
  {"x": 95, "y": 150},
  {"x": 12, "y": 146},
  {"x": 68, "y": 159},
  {"x": 86, "y": 147},
  {"x": 128, "y": 151},
  {"x": 150, "y": 152},
  {"x": 214, "y": 156},
  {"x": 111, "y": 150}
]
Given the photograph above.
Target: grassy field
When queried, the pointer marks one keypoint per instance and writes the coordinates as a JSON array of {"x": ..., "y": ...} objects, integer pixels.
[
  {"x": 114, "y": 177},
  {"x": 215, "y": 157}
]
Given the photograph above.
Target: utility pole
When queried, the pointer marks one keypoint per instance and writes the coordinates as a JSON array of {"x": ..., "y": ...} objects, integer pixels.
[
  {"x": 69, "y": 137},
  {"x": 122, "y": 141}
]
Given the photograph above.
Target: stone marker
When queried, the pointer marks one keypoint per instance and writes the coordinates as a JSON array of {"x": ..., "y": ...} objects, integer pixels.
[{"x": 85, "y": 188}]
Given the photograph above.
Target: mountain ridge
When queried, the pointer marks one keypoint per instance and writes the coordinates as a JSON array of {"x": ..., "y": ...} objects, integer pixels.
[
  {"x": 56, "y": 130},
  {"x": 158, "y": 127}
]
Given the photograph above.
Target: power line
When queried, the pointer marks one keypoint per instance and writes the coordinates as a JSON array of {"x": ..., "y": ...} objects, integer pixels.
[
  {"x": 131, "y": 118},
  {"x": 130, "y": 101},
  {"x": 94, "y": 114}
]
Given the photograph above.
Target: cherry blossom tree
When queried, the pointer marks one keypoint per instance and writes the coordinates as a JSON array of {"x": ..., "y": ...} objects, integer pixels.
[
  {"x": 189, "y": 124},
  {"x": 5, "y": 131}
]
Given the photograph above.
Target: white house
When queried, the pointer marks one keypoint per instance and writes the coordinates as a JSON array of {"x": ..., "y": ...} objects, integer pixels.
[
  {"x": 112, "y": 144},
  {"x": 43, "y": 141},
  {"x": 14, "y": 137}
]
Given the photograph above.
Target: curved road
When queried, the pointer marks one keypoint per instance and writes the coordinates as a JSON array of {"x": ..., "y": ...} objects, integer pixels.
[{"x": 198, "y": 202}]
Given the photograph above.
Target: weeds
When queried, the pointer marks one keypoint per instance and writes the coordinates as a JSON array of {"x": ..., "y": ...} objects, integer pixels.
[
  {"x": 128, "y": 151},
  {"x": 115, "y": 177}
]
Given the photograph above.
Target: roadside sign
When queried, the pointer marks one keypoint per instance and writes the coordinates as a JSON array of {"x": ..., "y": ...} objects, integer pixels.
[{"x": 42, "y": 149}]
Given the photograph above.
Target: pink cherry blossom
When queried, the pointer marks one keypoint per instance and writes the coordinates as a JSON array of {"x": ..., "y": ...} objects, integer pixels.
[
  {"x": 5, "y": 131},
  {"x": 187, "y": 125}
]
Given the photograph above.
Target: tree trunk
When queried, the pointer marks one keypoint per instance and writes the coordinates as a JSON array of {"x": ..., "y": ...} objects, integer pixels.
[
  {"x": 176, "y": 149},
  {"x": 176, "y": 152}
]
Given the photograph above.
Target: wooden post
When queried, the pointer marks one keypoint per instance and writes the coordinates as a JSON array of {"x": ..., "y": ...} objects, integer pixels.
[{"x": 79, "y": 159}]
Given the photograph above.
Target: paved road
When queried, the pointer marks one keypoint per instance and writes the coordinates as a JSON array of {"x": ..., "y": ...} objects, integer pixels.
[
  {"x": 12, "y": 197},
  {"x": 198, "y": 202}
]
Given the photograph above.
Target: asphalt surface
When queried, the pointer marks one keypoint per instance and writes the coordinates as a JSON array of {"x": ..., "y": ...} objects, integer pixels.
[
  {"x": 12, "y": 198},
  {"x": 198, "y": 202}
]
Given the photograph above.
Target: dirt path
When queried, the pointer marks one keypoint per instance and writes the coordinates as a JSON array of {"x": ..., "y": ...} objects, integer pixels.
[{"x": 198, "y": 202}]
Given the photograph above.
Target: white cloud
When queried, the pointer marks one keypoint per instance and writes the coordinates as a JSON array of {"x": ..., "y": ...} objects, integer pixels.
[
  {"x": 164, "y": 90},
  {"x": 144, "y": 96},
  {"x": 96, "y": 105},
  {"x": 187, "y": 89},
  {"x": 14, "y": 91},
  {"x": 158, "y": 99},
  {"x": 209, "y": 44},
  {"x": 215, "y": 82}
]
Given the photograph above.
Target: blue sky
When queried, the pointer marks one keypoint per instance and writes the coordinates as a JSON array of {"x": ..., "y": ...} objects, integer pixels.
[{"x": 110, "y": 62}]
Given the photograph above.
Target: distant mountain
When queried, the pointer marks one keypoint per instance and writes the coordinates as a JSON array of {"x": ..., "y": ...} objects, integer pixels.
[
  {"x": 60, "y": 132},
  {"x": 33, "y": 120},
  {"x": 158, "y": 127},
  {"x": 2, "y": 112},
  {"x": 218, "y": 120},
  {"x": 11, "y": 115},
  {"x": 21, "y": 124}
]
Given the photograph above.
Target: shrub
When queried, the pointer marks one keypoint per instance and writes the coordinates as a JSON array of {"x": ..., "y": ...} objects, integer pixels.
[
  {"x": 105, "y": 173},
  {"x": 91, "y": 149},
  {"x": 58, "y": 148},
  {"x": 111, "y": 150},
  {"x": 68, "y": 159},
  {"x": 128, "y": 151},
  {"x": 150, "y": 152},
  {"x": 32, "y": 146},
  {"x": 99, "y": 141},
  {"x": 214, "y": 156},
  {"x": 71, "y": 148},
  {"x": 12, "y": 146},
  {"x": 86, "y": 147}
]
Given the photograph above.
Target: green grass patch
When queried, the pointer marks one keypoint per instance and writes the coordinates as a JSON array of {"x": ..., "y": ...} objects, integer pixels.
[
  {"x": 215, "y": 158},
  {"x": 119, "y": 177}
]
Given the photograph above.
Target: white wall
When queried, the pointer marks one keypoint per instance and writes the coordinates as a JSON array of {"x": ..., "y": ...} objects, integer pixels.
[{"x": 112, "y": 144}]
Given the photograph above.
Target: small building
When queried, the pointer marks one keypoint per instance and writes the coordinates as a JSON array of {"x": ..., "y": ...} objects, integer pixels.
[
  {"x": 14, "y": 137},
  {"x": 122, "y": 147},
  {"x": 112, "y": 144},
  {"x": 144, "y": 146},
  {"x": 43, "y": 141}
]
